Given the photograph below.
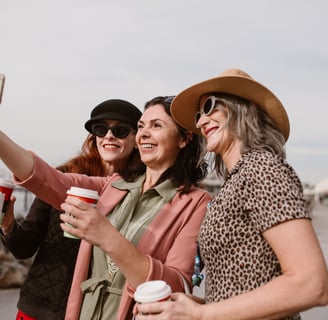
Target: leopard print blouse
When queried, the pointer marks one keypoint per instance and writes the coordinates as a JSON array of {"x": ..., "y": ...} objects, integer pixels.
[{"x": 261, "y": 191}]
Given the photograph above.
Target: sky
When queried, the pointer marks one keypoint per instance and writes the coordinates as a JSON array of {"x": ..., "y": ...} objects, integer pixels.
[{"x": 62, "y": 58}]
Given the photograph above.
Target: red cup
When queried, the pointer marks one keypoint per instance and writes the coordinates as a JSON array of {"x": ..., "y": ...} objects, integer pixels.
[
  {"x": 6, "y": 190},
  {"x": 87, "y": 195},
  {"x": 153, "y": 291}
]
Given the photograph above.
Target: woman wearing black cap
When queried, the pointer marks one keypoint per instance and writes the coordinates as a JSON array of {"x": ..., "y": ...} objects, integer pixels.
[
  {"x": 113, "y": 124},
  {"x": 141, "y": 230},
  {"x": 104, "y": 152}
]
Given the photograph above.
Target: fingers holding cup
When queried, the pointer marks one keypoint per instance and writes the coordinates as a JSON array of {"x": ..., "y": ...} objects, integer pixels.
[{"x": 6, "y": 190}]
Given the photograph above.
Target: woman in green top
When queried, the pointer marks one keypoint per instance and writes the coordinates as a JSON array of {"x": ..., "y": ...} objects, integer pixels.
[{"x": 141, "y": 230}]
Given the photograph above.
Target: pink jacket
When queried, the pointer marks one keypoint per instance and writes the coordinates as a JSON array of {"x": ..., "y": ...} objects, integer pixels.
[{"x": 169, "y": 242}]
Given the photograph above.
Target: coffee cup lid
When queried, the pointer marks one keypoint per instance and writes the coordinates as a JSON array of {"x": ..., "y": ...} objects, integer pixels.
[
  {"x": 151, "y": 291},
  {"x": 83, "y": 192},
  {"x": 7, "y": 183}
]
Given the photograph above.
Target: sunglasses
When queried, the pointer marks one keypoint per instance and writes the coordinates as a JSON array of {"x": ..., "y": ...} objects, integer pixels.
[
  {"x": 118, "y": 130},
  {"x": 207, "y": 107},
  {"x": 168, "y": 99}
]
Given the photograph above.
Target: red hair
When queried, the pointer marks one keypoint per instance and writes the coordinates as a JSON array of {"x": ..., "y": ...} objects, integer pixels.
[{"x": 88, "y": 161}]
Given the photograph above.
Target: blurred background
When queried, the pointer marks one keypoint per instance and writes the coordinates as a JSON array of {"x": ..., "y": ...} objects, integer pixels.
[{"x": 62, "y": 58}]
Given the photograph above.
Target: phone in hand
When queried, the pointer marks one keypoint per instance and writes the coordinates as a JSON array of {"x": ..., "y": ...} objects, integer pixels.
[{"x": 2, "y": 84}]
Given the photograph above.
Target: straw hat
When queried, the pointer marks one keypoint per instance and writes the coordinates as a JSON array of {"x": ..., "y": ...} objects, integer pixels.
[{"x": 232, "y": 81}]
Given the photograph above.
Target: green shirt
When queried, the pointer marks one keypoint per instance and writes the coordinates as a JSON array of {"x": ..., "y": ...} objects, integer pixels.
[{"x": 103, "y": 289}]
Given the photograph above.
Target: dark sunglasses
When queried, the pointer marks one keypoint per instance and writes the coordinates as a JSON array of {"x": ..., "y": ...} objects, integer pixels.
[
  {"x": 118, "y": 130},
  {"x": 207, "y": 107},
  {"x": 168, "y": 99}
]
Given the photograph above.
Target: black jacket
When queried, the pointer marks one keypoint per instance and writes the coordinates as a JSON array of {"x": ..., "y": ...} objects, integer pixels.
[{"x": 45, "y": 291}]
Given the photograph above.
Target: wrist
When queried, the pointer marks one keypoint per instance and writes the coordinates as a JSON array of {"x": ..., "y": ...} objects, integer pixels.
[{"x": 199, "y": 312}]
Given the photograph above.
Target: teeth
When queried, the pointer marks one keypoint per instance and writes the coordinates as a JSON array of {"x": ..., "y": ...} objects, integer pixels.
[
  {"x": 147, "y": 145},
  {"x": 110, "y": 146}
]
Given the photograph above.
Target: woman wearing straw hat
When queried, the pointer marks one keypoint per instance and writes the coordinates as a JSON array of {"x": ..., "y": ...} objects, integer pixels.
[{"x": 262, "y": 257}]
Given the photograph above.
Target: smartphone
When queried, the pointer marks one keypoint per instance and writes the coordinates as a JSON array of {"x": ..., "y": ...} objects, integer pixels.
[{"x": 2, "y": 85}]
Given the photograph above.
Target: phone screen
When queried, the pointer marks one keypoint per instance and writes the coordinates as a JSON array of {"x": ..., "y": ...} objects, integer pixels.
[{"x": 2, "y": 84}]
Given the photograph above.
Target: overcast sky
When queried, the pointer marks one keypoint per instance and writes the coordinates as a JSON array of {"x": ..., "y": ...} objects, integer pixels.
[{"x": 62, "y": 58}]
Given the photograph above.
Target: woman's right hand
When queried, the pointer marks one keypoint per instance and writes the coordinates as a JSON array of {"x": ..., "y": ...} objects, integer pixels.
[{"x": 8, "y": 221}]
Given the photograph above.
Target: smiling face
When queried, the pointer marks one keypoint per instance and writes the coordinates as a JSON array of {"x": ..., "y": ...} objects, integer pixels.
[
  {"x": 114, "y": 150},
  {"x": 214, "y": 128},
  {"x": 158, "y": 138}
]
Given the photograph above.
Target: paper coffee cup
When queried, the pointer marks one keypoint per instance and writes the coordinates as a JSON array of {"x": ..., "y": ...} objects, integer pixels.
[
  {"x": 6, "y": 189},
  {"x": 87, "y": 195},
  {"x": 153, "y": 291}
]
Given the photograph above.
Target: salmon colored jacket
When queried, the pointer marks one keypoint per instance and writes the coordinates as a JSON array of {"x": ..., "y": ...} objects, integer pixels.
[{"x": 169, "y": 242}]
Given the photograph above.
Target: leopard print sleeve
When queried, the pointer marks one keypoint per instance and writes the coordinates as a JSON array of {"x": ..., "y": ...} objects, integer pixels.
[{"x": 274, "y": 191}]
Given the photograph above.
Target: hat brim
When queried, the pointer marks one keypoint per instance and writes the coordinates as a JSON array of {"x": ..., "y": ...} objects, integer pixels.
[{"x": 185, "y": 105}]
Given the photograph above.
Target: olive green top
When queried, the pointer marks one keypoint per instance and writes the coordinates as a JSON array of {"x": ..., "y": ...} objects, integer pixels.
[{"x": 103, "y": 290}]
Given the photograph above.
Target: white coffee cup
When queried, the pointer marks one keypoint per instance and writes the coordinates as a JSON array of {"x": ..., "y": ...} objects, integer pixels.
[
  {"x": 153, "y": 291},
  {"x": 87, "y": 195},
  {"x": 6, "y": 190}
]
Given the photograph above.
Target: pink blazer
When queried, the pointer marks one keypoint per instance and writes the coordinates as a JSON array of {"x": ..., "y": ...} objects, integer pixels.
[{"x": 169, "y": 242}]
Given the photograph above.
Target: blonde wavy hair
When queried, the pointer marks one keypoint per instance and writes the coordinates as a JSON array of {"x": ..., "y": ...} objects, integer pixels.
[{"x": 251, "y": 125}]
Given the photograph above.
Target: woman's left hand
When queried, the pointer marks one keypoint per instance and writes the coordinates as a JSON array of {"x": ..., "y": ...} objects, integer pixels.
[
  {"x": 8, "y": 222},
  {"x": 180, "y": 307}
]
